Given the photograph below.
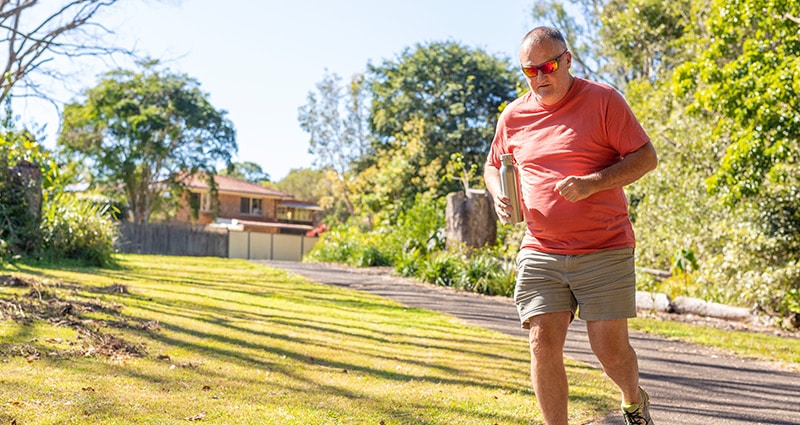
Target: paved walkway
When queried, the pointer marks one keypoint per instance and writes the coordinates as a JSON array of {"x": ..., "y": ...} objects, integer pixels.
[{"x": 687, "y": 384}]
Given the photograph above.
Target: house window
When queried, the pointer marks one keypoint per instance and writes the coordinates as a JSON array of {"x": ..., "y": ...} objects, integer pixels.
[
  {"x": 194, "y": 199},
  {"x": 250, "y": 206},
  {"x": 295, "y": 214},
  {"x": 200, "y": 201}
]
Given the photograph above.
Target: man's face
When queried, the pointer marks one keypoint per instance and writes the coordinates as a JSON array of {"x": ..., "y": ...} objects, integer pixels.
[{"x": 547, "y": 88}]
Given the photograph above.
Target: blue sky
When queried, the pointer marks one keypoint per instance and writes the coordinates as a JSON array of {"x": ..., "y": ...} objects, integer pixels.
[{"x": 258, "y": 60}]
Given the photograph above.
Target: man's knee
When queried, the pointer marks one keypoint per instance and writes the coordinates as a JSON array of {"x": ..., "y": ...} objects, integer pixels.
[{"x": 548, "y": 333}]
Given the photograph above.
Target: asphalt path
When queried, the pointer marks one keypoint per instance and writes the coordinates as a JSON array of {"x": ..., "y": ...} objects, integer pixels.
[{"x": 687, "y": 384}]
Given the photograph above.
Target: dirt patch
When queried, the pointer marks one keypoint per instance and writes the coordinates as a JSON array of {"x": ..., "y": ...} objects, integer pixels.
[{"x": 56, "y": 303}]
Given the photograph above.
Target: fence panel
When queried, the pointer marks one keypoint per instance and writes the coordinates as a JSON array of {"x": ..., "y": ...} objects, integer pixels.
[
  {"x": 260, "y": 246},
  {"x": 269, "y": 246},
  {"x": 172, "y": 239},
  {"x": 238, "y": 245},
  {"x": 199, "y": 241}
]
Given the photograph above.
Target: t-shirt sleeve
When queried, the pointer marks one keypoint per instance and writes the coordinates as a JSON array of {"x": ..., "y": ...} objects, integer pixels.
[{"x": 625, "y": 133}]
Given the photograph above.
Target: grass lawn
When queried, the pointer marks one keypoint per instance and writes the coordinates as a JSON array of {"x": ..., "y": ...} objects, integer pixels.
[{"x": 170, "y": 340}]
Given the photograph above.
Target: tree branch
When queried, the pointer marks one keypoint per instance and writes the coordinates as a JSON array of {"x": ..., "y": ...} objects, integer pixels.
[{"x": 40, "y": 41}]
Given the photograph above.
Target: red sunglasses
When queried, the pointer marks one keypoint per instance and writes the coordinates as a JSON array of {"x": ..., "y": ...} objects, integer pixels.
[{"x": 545, "y": 68}]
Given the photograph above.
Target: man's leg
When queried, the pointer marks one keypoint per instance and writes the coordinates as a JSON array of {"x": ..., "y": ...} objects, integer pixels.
[
  {"x": 549, "y": 377},
  {"x": 610, "y": 343}
]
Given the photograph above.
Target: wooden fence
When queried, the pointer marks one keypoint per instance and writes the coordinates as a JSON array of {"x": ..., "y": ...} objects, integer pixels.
[{"x": 180, "y": 239}]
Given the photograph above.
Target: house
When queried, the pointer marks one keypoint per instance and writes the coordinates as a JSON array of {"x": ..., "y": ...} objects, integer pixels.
[{"x": 246, "y": 206}]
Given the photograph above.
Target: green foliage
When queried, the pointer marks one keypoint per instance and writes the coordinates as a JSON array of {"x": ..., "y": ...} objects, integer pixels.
[
  {"x": 485, "y": 272},
  {"x": 454, "y": 92},
  {"x": 143, "y": 130},
  {"x": 114, "y": 208},
  {"x": 748, "y": 79},
  {"x": 415, "y": 247},
  {"x": 459, "y": 171},
  {"x": 78, "y": 229},
  {"x": 722, "y": 187},
  {"x": 335, "y": 117},
  {"x": 20, "y": 196},
  {"x": 314, "y": 185},
  {"x": 247, "y": 171},
  {"x": 420, "y": 228},
  {"x": 305, "y": 183},
  {"x": 348, "y": 245},
  {"x": 442, "y": 268},
  {"x": 391, "y": 185},
  {"x": 684, "y": 261},
  {"x": 644, "y": 37}
]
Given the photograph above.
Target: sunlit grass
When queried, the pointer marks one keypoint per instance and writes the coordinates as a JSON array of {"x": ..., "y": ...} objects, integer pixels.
[
  {"x": 230, "y": 342},
  {"x": 745, "y": 344}
]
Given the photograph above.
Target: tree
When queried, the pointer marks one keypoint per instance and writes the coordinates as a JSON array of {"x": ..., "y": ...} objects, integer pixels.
[
  {"x": 247, "y": 171},
  {"x": 304, "y": 183},
  {"x": 455, "y": 93},
  {"x": 336, "y": 119},
  {"x": 144, "y": 130},
  {"x": 318, "y": 186},
  {"x": 391, "y": 186},
  {"x": 583, "y": 39},
  {"x": 747, "y": 79},
  {"x": 34, "y": 33}
]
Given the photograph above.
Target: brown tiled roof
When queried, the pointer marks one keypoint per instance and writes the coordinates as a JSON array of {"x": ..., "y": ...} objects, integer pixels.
[{"x": 232, "y": 185}]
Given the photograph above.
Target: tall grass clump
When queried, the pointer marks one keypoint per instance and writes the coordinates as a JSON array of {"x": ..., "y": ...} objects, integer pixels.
[{"x": 73, "y": 228}]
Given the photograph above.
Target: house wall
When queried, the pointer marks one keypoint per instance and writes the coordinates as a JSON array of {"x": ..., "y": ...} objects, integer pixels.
[{"x": 230, "y": 208}]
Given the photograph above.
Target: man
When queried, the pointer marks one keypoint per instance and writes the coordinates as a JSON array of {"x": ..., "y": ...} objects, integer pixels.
[{"x": 576, "y": 144}]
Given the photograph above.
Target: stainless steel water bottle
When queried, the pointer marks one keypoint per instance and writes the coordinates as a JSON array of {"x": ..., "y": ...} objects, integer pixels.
[{"x": 509, "y": 186}]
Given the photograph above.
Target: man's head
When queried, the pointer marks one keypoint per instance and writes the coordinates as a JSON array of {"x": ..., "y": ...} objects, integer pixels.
[{"x": 545, "y": 61}]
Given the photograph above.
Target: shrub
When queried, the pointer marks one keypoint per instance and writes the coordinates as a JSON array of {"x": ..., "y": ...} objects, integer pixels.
[
  {"x": 441, "y": 268},
  {"x": 408, "y": 263},
  {"x": 348, "y": 245},
  {"x": 415, "y": 247},
  {"x": 73, "y": 229},
  {"x": 334, "y": 246}
]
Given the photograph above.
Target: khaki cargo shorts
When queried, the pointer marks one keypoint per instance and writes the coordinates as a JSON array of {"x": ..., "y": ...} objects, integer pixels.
[{"x": 598, "y": 286}]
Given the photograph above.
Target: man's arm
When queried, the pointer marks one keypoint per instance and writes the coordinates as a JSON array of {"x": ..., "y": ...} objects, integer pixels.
[{"x": 629, "y": 169}]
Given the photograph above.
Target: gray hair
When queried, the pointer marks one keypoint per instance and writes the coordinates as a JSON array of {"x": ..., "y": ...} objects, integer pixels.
[{"x": 540, "y": 34}]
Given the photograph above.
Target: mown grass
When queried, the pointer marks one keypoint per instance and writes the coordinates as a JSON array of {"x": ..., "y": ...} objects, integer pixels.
[
  {"x": 166, "y": 340},
  {"x": 752, "y": 345}
]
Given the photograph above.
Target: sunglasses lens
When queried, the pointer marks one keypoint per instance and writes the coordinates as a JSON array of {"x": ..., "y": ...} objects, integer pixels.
[
  {"x": 549, "y": 67},
  {"x": 545, "y": 68},
  {"x": 529, "y": 71}
]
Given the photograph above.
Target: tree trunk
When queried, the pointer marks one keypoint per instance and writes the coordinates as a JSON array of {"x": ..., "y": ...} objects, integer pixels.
[
  {"x": 28, "y": 178},
  {"x": 470, "y": 219},
  {"x": 24, "y": 208}
]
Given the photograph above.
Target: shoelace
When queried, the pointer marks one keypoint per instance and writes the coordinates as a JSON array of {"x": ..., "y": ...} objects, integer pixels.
[{"x": 634, "y": 418}]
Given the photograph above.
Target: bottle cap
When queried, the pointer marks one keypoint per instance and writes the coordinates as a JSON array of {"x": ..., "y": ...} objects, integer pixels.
[{"x": 507, "y": 159}]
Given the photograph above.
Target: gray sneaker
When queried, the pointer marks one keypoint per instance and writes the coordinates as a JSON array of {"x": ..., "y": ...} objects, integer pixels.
[{"x": 640, "y": 416}]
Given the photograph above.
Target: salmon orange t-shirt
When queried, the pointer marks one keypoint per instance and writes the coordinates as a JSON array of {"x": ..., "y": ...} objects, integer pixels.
[{"x": 591, "y": 128}]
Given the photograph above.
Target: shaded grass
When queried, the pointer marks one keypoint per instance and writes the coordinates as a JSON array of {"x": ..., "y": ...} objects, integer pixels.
[{"x": 231, "y": 342}]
